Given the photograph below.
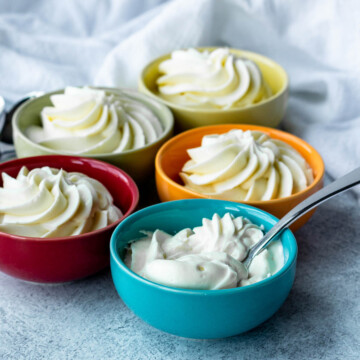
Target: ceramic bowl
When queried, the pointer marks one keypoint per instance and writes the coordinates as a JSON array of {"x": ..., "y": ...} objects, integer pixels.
[
  {"x": 172, "y": 156},
  {"x": 138, "y": 163},
  {"x": 267, "y": 113},
  {"x": 51, "y": 260},
  {"x": 199, "y": 314}
]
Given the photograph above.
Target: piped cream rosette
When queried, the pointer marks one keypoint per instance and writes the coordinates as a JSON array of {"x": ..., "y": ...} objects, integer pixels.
[
  {"x": 47, "y": 202},
  {"x": 211, "y": 79},
  {"x": 90, "y": 121},
  {"x": 245, "y": 165}
]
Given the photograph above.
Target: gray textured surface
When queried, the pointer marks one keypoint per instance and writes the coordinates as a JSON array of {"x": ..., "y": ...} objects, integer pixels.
[{"x": 87, "y": 320}]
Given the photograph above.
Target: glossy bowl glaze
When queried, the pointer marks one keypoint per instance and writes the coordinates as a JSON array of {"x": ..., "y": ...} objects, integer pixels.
[
  {"x": 172, "y": 156},
  {"x": 267, "y": 113},
  {"x": 199, "y": 314},
  {"x": 51, "y": 260},
  {"x": 138, "y": 163}
]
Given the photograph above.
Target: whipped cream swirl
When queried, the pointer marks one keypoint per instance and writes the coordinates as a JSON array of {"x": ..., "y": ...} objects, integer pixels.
[
  {"x": 89, "y": 121},
  {"x": 216, "y": 79},
  {"x": 47, "y": 203},
  {"x": 207, "y": 257},
  {"x": 245, "y": 165}
]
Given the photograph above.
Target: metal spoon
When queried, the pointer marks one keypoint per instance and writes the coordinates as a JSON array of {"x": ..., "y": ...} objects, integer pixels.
[
  {"x": 336, "y": 187},
  {"x": 2, "y": 112},
  {"x": 6, "y": 117},
  {"x": 6, "y": 137}
]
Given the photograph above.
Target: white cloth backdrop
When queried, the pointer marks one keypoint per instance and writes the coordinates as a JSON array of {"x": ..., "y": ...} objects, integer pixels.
[{"x": 46, "y": 45}]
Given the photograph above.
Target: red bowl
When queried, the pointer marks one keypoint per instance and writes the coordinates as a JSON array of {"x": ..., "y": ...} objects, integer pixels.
[{"x": 52, "y": 260}]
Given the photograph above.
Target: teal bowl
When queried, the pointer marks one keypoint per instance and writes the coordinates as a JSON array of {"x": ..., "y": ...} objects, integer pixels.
[{"x": 199, "y": 314}]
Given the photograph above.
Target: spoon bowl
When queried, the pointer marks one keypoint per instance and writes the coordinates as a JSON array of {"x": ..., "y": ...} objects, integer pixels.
[
  {"x": 2, "y": 112},
  {"x": 6, "y": 133}
]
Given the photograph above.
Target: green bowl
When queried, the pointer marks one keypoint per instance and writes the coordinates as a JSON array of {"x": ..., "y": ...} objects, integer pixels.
[
  {"x": 266, "y": 113},
  {"x": 138, "y": 163}
]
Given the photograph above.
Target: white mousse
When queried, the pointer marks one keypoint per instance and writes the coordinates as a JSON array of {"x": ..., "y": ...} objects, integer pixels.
[
  {"x": 207, "y": 257},
  {"x": 89, "y": 121},
  {"x": 245, "y": 165},
  {"x": 47, "y": 202},
  {"x": 211, "y": 79}
]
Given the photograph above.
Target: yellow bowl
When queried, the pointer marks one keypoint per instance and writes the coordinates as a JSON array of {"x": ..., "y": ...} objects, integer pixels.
[
  {"x": 139, "y": 163},
  {"x": 267, "y": 113},
  {"x": 173, "y": 155}
]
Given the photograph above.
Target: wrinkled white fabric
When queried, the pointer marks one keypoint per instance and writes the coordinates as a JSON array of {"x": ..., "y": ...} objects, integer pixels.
[{"x": 47, "y": 45}]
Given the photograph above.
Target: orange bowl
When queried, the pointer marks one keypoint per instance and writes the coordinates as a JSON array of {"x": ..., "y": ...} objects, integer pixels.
[{"x": 172, "y": 156}]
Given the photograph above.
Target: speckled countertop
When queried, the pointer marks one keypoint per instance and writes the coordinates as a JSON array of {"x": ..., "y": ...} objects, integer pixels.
[{"x": 87, "y": 320}]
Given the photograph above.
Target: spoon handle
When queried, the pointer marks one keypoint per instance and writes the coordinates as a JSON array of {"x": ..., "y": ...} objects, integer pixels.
[{"x": 336, "y": 187}]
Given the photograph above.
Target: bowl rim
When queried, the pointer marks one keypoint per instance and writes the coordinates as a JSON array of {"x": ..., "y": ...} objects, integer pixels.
[
  {"x": 253, "y": 55},
  {"x": 196, "y": 292},
  {"x": 169, "y": 123},
  {"x": 130, "y": 184},
  {"x": 163, "y": 150}
]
